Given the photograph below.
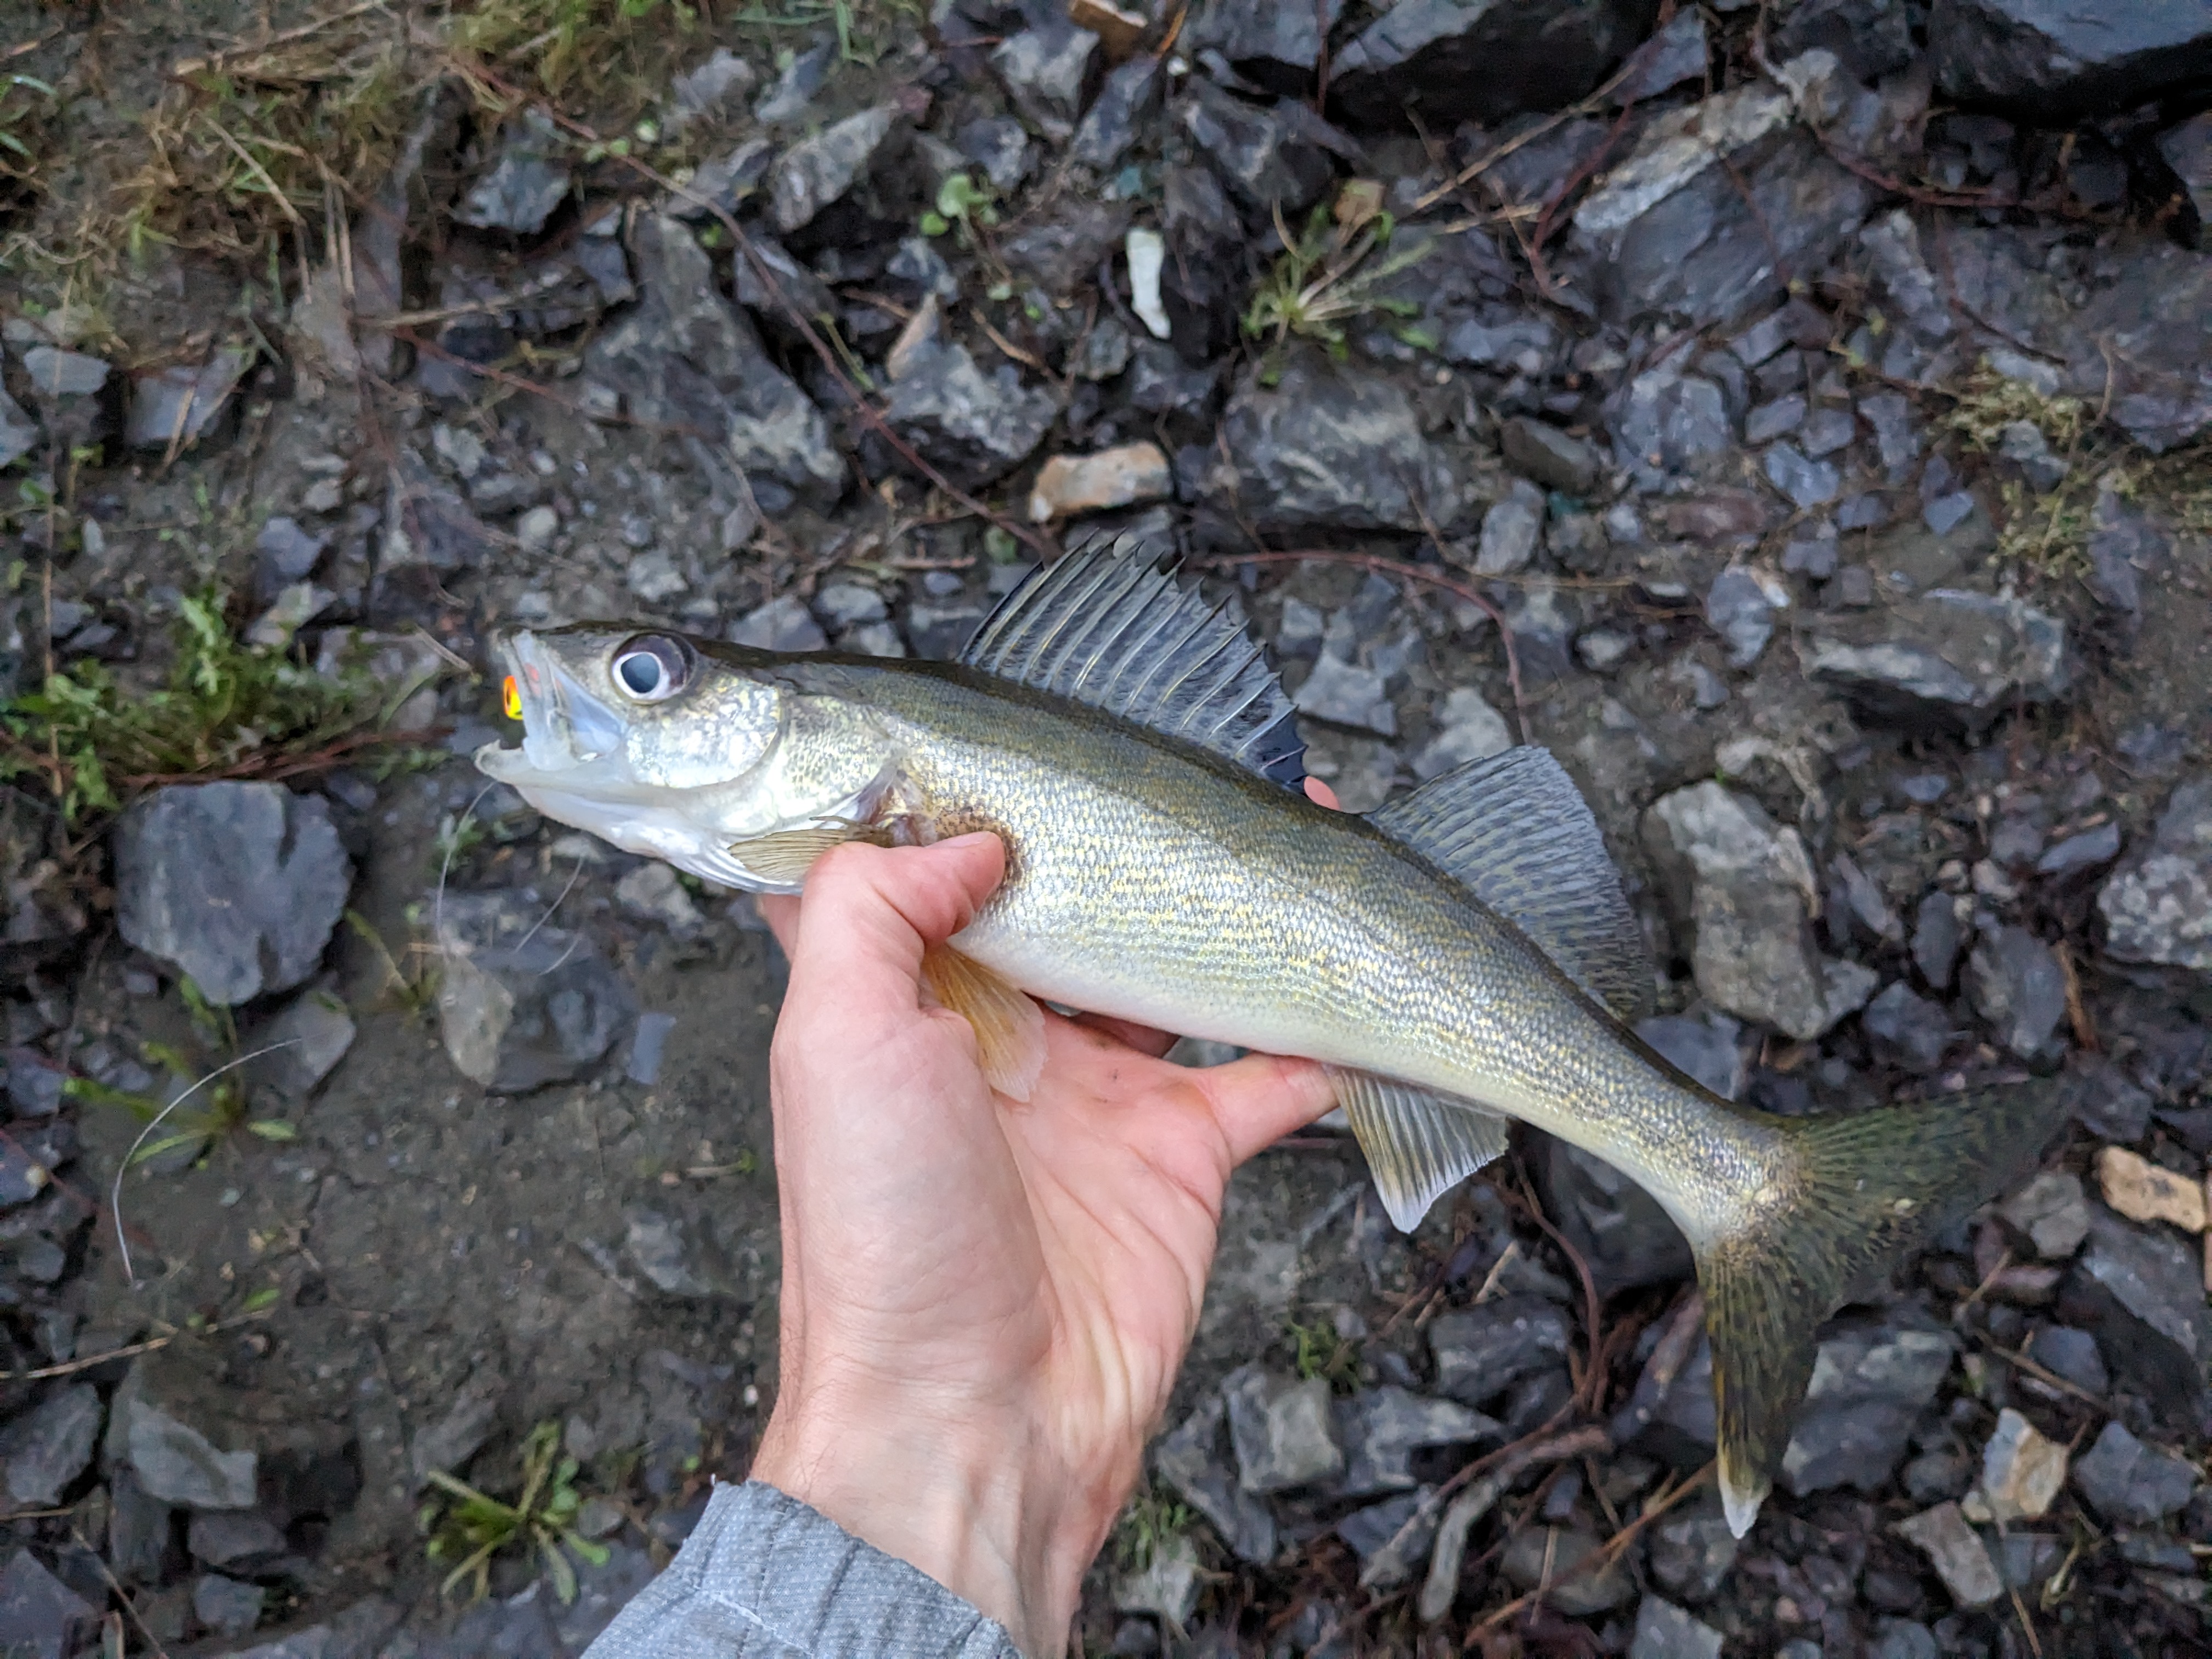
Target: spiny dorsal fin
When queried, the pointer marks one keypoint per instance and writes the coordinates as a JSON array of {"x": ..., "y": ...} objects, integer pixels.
[
  {"x": 1514, "y": 828},
  {"x": 1109, "y": 626},
  {"x": 1419, "y": 1144}
]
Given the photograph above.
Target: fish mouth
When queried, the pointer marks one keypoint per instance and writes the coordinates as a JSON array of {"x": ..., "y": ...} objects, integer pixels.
[{"x": 565, "y": 729}]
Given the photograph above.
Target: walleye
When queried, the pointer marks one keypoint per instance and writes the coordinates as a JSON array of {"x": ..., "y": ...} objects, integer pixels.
[{"x": 1460, "y": 956}]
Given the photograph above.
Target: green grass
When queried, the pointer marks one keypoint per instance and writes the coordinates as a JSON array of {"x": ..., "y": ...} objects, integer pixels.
[
  {"x": 1317, "y": 1351},
  {"x": 470, "y": 1527},
  {"x": 2046, "y": 534},
  {"x": 1151, "y": 1523},
  {"x": 225, "y": 710},
  {"x": 1332, "y": 273},
  {"x": 221, "y": 1107}
]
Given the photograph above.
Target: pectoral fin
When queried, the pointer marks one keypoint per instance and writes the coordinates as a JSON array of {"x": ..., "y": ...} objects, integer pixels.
[
  {"x": 1009, "y": 1026},
  {"x": 786, "y": 856},
  {"x": 1419, "y": 1145}
]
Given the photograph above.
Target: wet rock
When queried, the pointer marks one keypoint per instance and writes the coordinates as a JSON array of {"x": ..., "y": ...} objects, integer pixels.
[
  {"x": 975, "y": 427},
  {"x": 1692, "y": 1553},
  {"x": 174, "y": 1462},
  {"x": 1382, "y": 1428},
  {"x": 1664, "y": 1630},
  {"x": 56, "y": 374},
  {"x": 1124, "y": 476},
  {"x": 2141, "y": 1191},
  {"x": 2022, "y": 1471},
  {"x": 1440, "y": 63},
  {"x": 1743, "y": 889},
  {"x": 2056, "y": 59},
  {"x": 524, "y": 185},
  {"x": 2130, "y": 1483},
  {"x": 817, "y": 171},
  {"x": 2159, "y": 907},
  {"x": 1042, "y": 71},
  {"x": 40, "y": 1617},
  {"x": 1465, "y": 728},
  {"x": 1908, "y": 1029},
  {"x": 1740, "y": 607},
  {"x": 170, "y": 407},
  {"x": 1117, "y": 115},
  {"x": 1670, "y": 231},
  {"x": 1391, "y": 1538},
  {"x": 2071, "y": 1354},
  {"x": 19, "y": 433},
  {"x": 1665, "y": 424},
  {"x": 1961, "y": 1561},
  {"x": 1062, "y": 247},
  {"x": 783, "y": 624},
  {"x": 1167, "y": 1585},
  {"x": 2020, "y": 988},
  {"x": 1678, "y": 52},
  {"x": 229, "y": 1606},
  {"x": 1511, "y": 532},
  {"x": 1535, "y": 1556},
  {"x": 1275, "y": 47},
  {"x": 1483, "y": 1352},
  {"x": 2141, "y": 1293},
  {"x": 1282, "y": 1431},
  {"x": 236, "y": 884},
  {"x": 2052, "y": 1212},
  {"x": 1192, "y": 1459},
  {"x": 1619, "y": 1228},
  {"x": 47, "y": 1448},
  {"x": 522, "y": 1003},
  {"x": 1944, "y": 658},
  {"x": 685, "y": 357},
  {"x": 1262, "y": 159},
  {"x": 1558, "y": 460},
  {"x": 1868, "y": 1388}
]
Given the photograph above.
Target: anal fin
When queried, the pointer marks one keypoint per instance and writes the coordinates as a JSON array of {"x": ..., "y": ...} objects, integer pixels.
[
  {"x": 1009, "y": 1026},
  {"x": 1419, "y": 1145}
]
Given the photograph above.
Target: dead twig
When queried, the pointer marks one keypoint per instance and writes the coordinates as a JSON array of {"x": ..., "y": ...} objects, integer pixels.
[{"x": 131, "y": 1351}]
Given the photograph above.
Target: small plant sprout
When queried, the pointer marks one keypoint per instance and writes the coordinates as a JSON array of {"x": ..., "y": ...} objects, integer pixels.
[
  {"x": 1317, "y": 1350},
  {"x": 963, "y": 204},
  {"x": 1152, "y": 1521},
  {"x": 475, "y": 1526},
  {"x": 1334, "y": 271}
]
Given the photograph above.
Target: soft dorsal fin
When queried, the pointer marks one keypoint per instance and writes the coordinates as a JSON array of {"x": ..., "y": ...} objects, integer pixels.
[
  {"x": 1109, "y": 625},
  {"x": 1419, "y": 1144},
  {"x": 1514, "y": 828}
]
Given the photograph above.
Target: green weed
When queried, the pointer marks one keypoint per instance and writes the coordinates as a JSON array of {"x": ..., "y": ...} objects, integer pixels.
[
  {"x": 198, "y": 1128},
  {"x": 1151, "y": 1523},
  {"x": 1333, "y": 273},
  {"x": 1317, "y": 1351},
  {"x": 416, "y": 994},
  {"x": 474, "y": 1528},
  {"x": 2047, "y": 533},
  {"x": 963, "y": 204}
]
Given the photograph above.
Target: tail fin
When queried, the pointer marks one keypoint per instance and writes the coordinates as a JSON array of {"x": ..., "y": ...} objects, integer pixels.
[{"x": 1865, "y": 1190}]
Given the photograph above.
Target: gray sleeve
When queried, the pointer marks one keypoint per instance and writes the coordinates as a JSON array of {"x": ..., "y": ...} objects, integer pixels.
[{"x": 764, "y": 1577}]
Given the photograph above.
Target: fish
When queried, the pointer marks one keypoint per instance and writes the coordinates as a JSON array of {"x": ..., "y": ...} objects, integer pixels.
[{"x": 1459, "y": 958}]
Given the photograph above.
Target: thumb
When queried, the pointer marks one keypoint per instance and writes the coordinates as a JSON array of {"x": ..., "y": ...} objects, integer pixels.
[{"x": 871, "y": 911}]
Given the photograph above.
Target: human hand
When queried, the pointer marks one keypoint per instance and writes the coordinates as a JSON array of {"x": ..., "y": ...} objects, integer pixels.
[{"x": 985, "y": 1302}]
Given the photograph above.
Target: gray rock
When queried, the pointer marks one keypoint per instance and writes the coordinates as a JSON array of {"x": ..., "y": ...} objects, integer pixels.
[
  {"x": 1708, "y": 1046},
  {"x": 1868, "y": 1388},
  {"x": 1167, "y": 1586},
  {"x": 173, "y": 407},
  {"x": 1938, "y": 931},
  {"x": 790, "y": 101},
  {"x": 315, "y": 1032},
  {"x": 138, "y": 1528},
  {"x": 1274, "y": 47},
  {"x": 1466, "y": 728},
  {"x": 1903, "y": 1638},
  {"x": 1740, "y": 607},
  {"x": 1442, "y": 63},
  {"x": 174, "y": 1462},
  {"x": 1775, "y": 420},
  {"x": 2188, "y": 150},
  {"x": 522, "y": 1003},
  {"x": 1063, "y": 246},
  {"x": 1809, "y": 483},
  {"x": 1347, "y": 694},
  {"x": 940, "y": 631},
  {"x": 783, "y": 624},
  {"x": 1391, "y": 1538},
  {"x": 1262, "y": 158},
  {"x": 1827, "y": 431},
  {"x": 40, "y": 1617},
  {"x": 817, "y": 171},
  {"x": 1692, "y": 1553},
  {"x": 1664, "y": 423},
  {"x": 2053, "y": 60},
  {"x": 1717, "y": 204},
  {"x": 976, "y": 428},
  {"x": 47, "y": 1448},
  {"x": 19, "y": 433},
  {"x": 678, "y": 1255},
  {"x": 446, "y": 1445},
  {"x": 1678, "y": 52},
  {"x": 2083, "y": 852},
  {"x": 703, "y": 91},
  {"x": 2105, "y": 1100},
  {"x": 1192, "y": 1459},
  {"x": 2072, "y": 1354},
  {"x": 524, "y": 185},
  {"x": 236, "y": 884},
  {"x": 1961, "y": 1561},
  {"x": 2049, "y": 1208},
  {"x": 1382, "y": 1428},
  {"x": 1113, "y": 123},
  {"x": 229, "y": 1606},
  {"x": 999, "y": 145},
  {"x": 1511, "y": 532},
  {"x": 355, "y": 1634},
  {"x": 229, "y": 1538},
  {"x": 1558, "y": 460},
  {"x": 1873, "y": 38},
  {"x": 1664, "y": 1630},
  {"x": 1334, "y": 445},
  {"x": 1742, "y": 889},
  {"x": 2159, "y": 907},
  {"x": 1621, "y": 1232},
  {"x": 1536, "y": 1556},
  {"x": 2140, "y": 1290},
  {"x": 1483, "y": 1352},
  {"x": 1944, "y": 658},
  {"x": 685, "y": 357},
  {"x": 1282, "y": 1430},
  {"x": 1908, "y": 1029},
  {"x": 56, "y": 374},
  {"x": 1043, "y": 70},
  {"x": 2020, "y": 988},
  {"x": 2130, "y": 1483}
]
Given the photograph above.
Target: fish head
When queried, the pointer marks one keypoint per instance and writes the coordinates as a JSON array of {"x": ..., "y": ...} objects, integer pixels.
[{"x": 644, "y": 739}]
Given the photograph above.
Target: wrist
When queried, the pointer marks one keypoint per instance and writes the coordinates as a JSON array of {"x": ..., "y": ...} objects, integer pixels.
[{"x": 963, "y": 1497}]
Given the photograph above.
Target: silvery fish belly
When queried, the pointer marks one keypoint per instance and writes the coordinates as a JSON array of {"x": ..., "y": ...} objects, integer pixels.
[{"x": 1462, "y": 957}]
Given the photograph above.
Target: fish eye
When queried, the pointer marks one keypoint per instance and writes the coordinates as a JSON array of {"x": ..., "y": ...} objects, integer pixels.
[{"x": 652, "y": 668}]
